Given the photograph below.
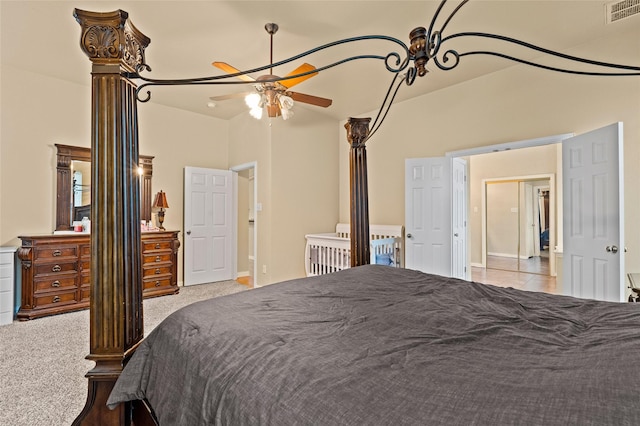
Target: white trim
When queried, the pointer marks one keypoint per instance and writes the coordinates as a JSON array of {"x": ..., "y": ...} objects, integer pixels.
[{"x": 547, "y": 140}]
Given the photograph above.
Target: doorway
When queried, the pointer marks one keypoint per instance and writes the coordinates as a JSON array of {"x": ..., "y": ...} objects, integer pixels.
[
  {"x": 518, "y": 225},
  {"x": 246, "y": 223}
]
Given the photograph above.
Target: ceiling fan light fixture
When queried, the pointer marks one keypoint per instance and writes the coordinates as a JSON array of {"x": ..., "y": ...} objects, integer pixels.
[
  {"x": 253, "y": 100},
  {"x": 256, "y": 112},
  {"x": 286, "y": 103}
]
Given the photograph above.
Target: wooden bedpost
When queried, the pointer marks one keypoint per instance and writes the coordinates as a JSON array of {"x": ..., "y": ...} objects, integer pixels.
[
  {"x": 357, "y": 133},
  {"x": 114, "y": 47}
]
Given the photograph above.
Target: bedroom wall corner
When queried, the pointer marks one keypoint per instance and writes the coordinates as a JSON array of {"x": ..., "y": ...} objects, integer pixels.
[
  {"x": 304, "y": 187},
  {"x": 250, "y": 141},
  {"x": 297, "y": 177}
]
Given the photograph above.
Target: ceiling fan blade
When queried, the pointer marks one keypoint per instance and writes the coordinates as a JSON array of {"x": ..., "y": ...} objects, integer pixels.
[
  {"x": 310, "y": 99},
  {"x": 229, "y": 96},
  {"x": 301, "y": 69},
  {"x": 232, "y": 70}
]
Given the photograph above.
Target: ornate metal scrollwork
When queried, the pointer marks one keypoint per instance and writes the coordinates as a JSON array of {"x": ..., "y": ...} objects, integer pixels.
[{"x": 405, "y": 64}]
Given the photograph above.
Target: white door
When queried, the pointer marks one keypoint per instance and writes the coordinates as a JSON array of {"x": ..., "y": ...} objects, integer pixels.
[
  {"x": 593, "y": 218},
  {"x": 459, "y": 220},
  {"x": 428, "y": 215},
  {"x": 208, "y": 225}
]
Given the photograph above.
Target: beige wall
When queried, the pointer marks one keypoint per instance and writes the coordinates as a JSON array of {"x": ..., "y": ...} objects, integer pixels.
[
  {"x": 39, "y": 111},
  {"x": 304, "y": 184}
]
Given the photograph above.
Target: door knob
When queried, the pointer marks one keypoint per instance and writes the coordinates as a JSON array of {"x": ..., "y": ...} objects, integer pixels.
[
  {"x": 409, "y": 235},
  {"x": 455, "y": 235},
  {"x": 188, "y": 232},
  {"x": 612, "y": 249}
]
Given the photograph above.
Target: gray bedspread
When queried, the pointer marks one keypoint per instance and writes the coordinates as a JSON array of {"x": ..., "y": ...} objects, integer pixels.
[{"x": 377, "y": 345}]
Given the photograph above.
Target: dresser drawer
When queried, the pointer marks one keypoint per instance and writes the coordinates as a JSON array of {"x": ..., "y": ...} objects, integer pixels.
[
  {"x": 156, "y": 245},
  {"x": 61, "y": 298},
  {"x": 85, "y": 250},
  {"x": 85, "y": 265},
  {"x": 85, "y": 292},
  {"x": 150, "y": 284},
  {"x": 55, "y": 283},
  {"x": 51, "y": 253},
  {"x": 154, "y": 272},
  {"x": 150, "y": 259},
  {"x": 55, "y": 268}
]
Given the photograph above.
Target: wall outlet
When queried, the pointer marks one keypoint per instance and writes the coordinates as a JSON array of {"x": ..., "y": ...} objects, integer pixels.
[{"x": 264, "y": 269}]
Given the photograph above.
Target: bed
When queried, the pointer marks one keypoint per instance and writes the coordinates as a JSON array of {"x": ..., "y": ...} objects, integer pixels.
[
  {"x": 330, "y": 252},
  {"x": 381, "y": 345}
]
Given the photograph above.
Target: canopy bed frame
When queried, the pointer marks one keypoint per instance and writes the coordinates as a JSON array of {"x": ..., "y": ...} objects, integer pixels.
[{"x": 116, "y": 50}]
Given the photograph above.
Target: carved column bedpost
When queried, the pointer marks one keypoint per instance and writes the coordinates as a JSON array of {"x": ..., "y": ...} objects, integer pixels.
[
  {"x": 357, "y": 133},
  {"x": 114, "y": 47}
]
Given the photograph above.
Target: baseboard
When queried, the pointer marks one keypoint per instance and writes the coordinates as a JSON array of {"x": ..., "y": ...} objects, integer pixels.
[
  {"x": 477, "y": 265},
  {"x": 510, "y": 256},
  {"x": 243, "y": 274}
]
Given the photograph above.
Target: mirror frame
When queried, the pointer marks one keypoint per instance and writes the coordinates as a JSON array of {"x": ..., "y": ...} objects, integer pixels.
[{"x": 65, "y": 155}]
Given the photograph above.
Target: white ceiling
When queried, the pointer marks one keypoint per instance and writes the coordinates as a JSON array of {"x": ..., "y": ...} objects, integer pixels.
[{"x": 186, "y": 36}]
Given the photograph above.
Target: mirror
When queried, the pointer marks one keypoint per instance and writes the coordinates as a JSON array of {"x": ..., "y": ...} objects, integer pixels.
[{"x": 73, "y": 185}]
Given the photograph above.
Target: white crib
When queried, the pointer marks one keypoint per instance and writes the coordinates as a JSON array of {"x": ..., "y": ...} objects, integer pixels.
[{"x": 331, "y": 252}]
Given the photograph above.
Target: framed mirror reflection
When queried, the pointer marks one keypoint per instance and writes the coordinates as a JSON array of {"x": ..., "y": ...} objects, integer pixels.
[{"x": 73, "y": 185}]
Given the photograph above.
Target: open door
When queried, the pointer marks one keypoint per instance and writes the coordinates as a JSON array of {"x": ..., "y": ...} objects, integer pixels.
[
  {"x": 593, "y": 218},
  {"x": 209, "y": 241},
  {"x": 459, "y": 220},
  {"x": 436, "y": 216},
  {"x": 428, "y": 215}
]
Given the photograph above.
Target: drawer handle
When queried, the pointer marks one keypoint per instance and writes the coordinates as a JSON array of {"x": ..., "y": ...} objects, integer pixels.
[
  {"x": 157, "y": 245},
  {"x": 56, "y": 268},
  {"x": 157, "y": 283},
  {"x": 57, "y": 253},
  {"x": 157, "y": 271},
  {"x": 158, "y": 259},
  {"x": 56, "y": 299},
  {"x": 56, "y": 283}
]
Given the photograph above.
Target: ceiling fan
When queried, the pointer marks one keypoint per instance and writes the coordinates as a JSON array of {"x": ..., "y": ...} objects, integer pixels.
[{"x": 275, "y": 96}]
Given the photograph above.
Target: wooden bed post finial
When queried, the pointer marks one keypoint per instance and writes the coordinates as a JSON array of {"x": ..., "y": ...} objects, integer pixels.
[
  {"x": 116, "y": 49},
  {"x": 357, "y": 134}
]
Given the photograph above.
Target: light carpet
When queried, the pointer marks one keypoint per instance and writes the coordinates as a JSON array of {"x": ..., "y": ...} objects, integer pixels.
[{"x": 42, "y": 361}]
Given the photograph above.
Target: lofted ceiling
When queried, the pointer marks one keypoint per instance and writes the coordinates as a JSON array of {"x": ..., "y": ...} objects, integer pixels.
[{"x": 186, "y": 36}]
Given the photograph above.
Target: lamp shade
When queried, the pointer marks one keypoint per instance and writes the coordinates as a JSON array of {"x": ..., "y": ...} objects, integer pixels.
[{"x": 161, "y": 201}]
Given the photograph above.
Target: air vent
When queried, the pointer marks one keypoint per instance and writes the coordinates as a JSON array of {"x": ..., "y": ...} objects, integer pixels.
[{"x": 619, "y": 10}]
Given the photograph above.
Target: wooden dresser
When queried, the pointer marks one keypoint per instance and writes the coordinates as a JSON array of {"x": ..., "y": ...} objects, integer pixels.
[{"x": 56, "y": 271}]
